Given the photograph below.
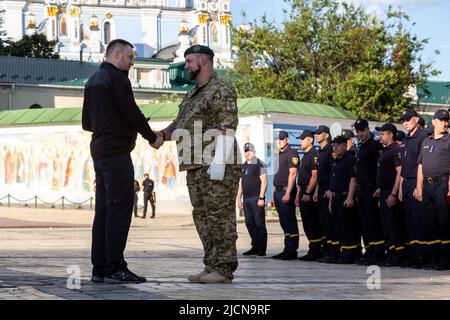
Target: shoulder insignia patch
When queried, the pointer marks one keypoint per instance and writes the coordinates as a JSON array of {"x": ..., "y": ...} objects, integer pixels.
[{"x": 295, "y": 160}]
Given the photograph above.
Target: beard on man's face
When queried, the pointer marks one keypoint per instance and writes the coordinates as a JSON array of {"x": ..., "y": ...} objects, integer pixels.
[{"x": 193, "y": 73}]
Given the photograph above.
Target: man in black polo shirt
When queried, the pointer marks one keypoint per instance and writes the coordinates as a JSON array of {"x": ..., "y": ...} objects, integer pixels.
[
  {"x": 414, "y": 209},
  {"x": 388, "y": 182},
  {"x": 323, "y": 137},
  {"x": 252, "y": 187},
  {"x": 309, "y": 210},
  {"x": 283, "y": 197},
  {"x": 433, "y": 185},
  {"x": 342, "y": 195},
  {"x": 366, "y": 169}
]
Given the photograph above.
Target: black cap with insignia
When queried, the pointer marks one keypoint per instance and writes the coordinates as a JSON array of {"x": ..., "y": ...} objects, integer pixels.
[
  {"x": 306, "y": 134},
  {"x": 387, "y": 127},
  {"x": 340, "y": 140},
  {"x": 249, "y": 147},
  {"x": 441, "y": 114},
  {"x": 321, "y": 129},
  {"x": 282, "y": 135},
  {"x": 409, "y": 113},
  {"x": 361, "y": 124},
  {"x": 400, "y": 136},
  {"x": 197, "y": 48},
  {"x": 348, "y": 134}
]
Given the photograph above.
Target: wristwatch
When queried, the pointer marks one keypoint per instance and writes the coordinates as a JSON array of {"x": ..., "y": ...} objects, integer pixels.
[
  {"x": 262, "y": 198},
  {"x": 308, "y": 193}
]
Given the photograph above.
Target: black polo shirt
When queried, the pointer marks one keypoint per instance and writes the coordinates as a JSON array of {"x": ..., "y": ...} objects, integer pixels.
[
  {"x": 387, "y": 163},
  {"x": 367, "y": 159},
  {"x": 354, "y": 150},
  {"x": 435, "y": 156},
  {"x": 307, "y": 164},
  {"x": 342, "y": 170},
  {"x": 409, "y": 153},
  {"x": 287, "y": 159},
  {"x": 324, "y": 165},
  {"x": 148, "y": 185},
  {"x": 251, "y": 183}
]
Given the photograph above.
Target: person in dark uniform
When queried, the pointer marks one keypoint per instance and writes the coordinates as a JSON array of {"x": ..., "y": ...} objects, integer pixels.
[
  {"x": 341, "y": 194},
  {"x": 148, "y": 185},
  {"x": 388, "y": 182},
  {"x": 433, "y": 185},
  {"x": 366, "y": 169},
  {"x": 283, "y": 197},
  {"x": 136, "y": 191},
  {"x": 252, "y": 187},
  {"x": 351, "y": 146},
  {"x": 421, "y": 123},
  {"x": 331, "y": 251},
  {"x": 414, "y": 209},
  {"x": 306, "y": 185}
]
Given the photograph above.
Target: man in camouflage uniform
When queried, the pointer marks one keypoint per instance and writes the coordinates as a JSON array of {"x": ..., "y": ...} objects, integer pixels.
[{"x": 211, "y": 104}]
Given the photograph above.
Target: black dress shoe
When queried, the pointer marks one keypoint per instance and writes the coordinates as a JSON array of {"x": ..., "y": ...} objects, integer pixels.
[
  {"x": 289, "y": 256},
  {"x": 250, "y": 252},
  {"x": 261, "y": 254},
  {"x": 98, "y": 278},
  {"x": 124, "y": 276},
  {"x": 278, "y": 256}
]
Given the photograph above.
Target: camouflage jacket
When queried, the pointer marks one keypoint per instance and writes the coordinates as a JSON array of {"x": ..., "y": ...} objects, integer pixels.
[{"x": 212, "y": 106}]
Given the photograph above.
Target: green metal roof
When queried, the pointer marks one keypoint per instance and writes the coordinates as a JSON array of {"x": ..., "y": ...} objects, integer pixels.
[
  {"x": 44, "y": 71},
  {"x": 437, "y": 92},
  {"x": 168, "y": 111}
]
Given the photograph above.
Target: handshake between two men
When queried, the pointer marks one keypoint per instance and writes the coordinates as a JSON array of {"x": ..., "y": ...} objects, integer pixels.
[{"x": 160, "y": 137}]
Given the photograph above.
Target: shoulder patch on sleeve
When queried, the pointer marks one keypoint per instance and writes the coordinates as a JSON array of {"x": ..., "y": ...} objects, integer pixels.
[
  {"x": 295, "y": 160},
  {"x": 230, "y": 103}
]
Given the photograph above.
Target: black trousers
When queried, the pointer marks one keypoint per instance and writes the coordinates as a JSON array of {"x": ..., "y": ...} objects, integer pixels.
[
  {"x": 346, "y": 222},
  {"x": 369, "y": 213},
  {"x": 288, "y": 221},
  {"x": 309, "y": 212},
  {"x": 394, "y": 222},
  {"x": 326, "y": 222},
  {"x": 255, "y": 220},
  {"x": 436, "y": 226},
  {"x": 414, "y": 218},
  {"x": 148, "y": 197},
  {"x": 135, "y": 204},
  {"x": 113, "y": 210}
]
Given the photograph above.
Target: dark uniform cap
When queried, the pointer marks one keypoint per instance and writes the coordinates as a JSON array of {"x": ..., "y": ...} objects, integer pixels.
[
  {"x": 361, "y": 124},
  {"x": 282, "y": 135},
  {"x": 249, "y": 147},
  {"x": 400, "y": 136},
  {"x": 441, "y": 114},
  {"x": 306, "y": 134},
  {"x": 199, "y": 49},
  {"x": 348, "y": 134},
  {"x": 409, "y": 113},
  {"x": 321, "y": 129},
  {"x": 387, "y": 127},
  {"x": 340, "y": 140}
]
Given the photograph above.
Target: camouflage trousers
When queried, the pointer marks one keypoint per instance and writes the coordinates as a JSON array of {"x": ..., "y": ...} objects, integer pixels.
[{"x": 214, "y": 217}]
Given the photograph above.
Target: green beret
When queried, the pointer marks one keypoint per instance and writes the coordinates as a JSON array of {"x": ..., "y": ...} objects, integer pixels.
[{"x": 199, "y": 49}]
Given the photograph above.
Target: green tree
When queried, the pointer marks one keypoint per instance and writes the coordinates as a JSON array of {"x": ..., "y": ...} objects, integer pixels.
[
  {"x": 3, "y": 42},
  {"x": 34, "y": 46},
  {"x": 333, "y": 53}
]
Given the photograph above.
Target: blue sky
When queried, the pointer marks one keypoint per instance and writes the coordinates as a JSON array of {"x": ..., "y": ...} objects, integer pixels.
[{"x": 431, "y": 17}]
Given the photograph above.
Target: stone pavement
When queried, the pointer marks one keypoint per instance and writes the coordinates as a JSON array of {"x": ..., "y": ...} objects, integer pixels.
[{"x": 43, "y": 250}]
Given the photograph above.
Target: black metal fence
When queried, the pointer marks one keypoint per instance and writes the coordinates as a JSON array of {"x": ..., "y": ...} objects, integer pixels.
[{"x": 64, "y": 201}]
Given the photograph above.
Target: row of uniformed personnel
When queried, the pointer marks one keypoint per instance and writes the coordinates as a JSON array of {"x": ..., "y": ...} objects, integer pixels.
[{"x": 394, "y": 195}]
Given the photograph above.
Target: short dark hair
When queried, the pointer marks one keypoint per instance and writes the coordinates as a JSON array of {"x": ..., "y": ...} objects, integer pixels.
[
  {"x": 115, "y": 43},
  {"x": 146, "y": 174}
]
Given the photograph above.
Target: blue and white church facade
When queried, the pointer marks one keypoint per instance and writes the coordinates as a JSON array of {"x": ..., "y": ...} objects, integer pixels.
[{"x": 157, "y": 28}]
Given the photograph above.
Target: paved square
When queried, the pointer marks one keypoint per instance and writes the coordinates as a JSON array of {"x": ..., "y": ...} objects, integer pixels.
[{"x": 42, "y": 251}]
